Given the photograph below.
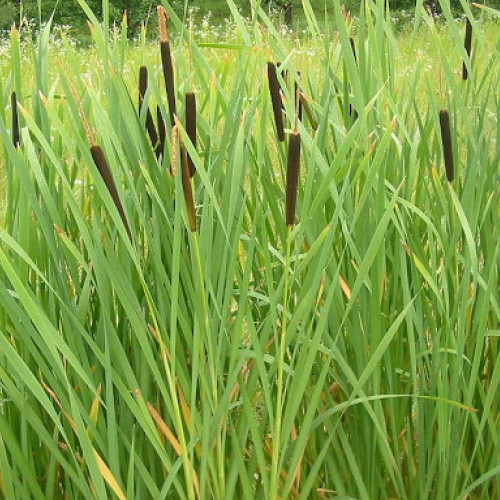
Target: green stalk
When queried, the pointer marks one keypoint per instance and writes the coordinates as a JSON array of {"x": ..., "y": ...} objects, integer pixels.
[{"x": 280, "y": 399}]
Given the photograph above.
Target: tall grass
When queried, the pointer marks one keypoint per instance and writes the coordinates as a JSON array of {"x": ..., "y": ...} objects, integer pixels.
[{"x": 207, "y": 341}]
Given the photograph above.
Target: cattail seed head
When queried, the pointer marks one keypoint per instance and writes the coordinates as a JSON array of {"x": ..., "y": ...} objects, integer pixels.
[
  {"x": 292, "y": 177},
  {"x": 274, "y": 89},
  {"x": 467, "y": 46},
  {"x": 143, "y": 84},
  {"x": 191, "y": 126},
  {"x": 188, "y": 190},
  {"x": 150, "y": 125},
  {"x": 103, "y": 167},
  {"x": 162, "y": 23},
  {"x": 15, "y": 120},
  {"x": 168, "y": 75},
  {"x": 444, "y": 121},
  {"x": 308, "y": 110},
  {"x": 175, "y": 151}
]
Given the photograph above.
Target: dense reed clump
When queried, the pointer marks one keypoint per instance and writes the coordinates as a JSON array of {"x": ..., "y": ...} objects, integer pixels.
[
  {"x": 444, "y": 121},
  {"x": 274, "y": 89},
  {"x": 311, "y": 318},
  {"x": 467, "y": 47}
]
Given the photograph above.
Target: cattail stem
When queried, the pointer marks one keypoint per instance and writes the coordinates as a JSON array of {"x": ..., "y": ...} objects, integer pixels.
[
  {"x": 103, "y": 167},
  {"x": 191, "y": 126},
  {"x": 188, "y": 190},
  {"x": 444, "y": 121},
  {"x": 292, "y": 177},
  {"x": 150, "y": 125},
  {"x": 467, "y": 46},
  {"x": 274, "y": 89},
  {"x": 15, "y": 120}
]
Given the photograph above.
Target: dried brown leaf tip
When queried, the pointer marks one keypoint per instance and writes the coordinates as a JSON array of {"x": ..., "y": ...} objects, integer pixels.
[
  {"x": 191, "y": 126},
  {"x": 15, "y": 120},
  {"x": 292, "y": 177},
  {"x": 274, "y": 89},
  {"x": 467, "y": 47},
  {"x": 444, "y": 121}
]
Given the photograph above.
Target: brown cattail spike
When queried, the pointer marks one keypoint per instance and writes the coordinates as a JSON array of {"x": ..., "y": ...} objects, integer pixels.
[
  {"x": 308, "y": 110},
  {"x": 467, "y": 46},
  {"x": 188, "y": 190},
  {"x": 274, "y": 89},
  {"x": 150, "y": 125},
  {"x": 168, "y": 75},
  {"x": 191, "y": 126},
  {"x": 292, "y": 177},
  {"x": 444, "y": 121},
  {"x": 103, "y": 167},
  {"x": 162, "y": 132},
  {"x": 15, "y": 120}
]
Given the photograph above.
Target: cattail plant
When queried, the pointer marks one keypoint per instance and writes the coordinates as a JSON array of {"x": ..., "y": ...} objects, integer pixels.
[
  {"x": 166, "y": 60},
  {"x": 15, "y": 120},
  {"x": 188, "y": 190},
  {"x": 274, "y": 89},
  {"x": 444, "y": 121},
  {"x": 102, "y": 164},
  {"x": 467, "y": 46},
  {"x": 150, "y": 126},
  {"x": 292, "y": 177},
  {"x": 191, "y": 126}
]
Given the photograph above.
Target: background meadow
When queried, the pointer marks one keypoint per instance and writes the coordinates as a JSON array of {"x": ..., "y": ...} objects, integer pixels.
[{"x": 168, "y": 335}]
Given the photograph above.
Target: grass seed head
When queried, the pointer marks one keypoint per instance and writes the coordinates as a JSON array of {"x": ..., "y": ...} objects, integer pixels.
[{"x": 444, "y": 121}]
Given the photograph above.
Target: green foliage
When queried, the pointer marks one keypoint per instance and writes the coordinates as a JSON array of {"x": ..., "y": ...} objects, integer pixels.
[{"x": 354, "y": 353}]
